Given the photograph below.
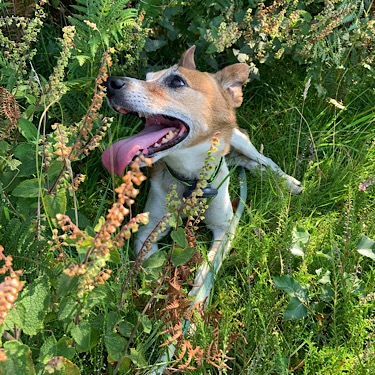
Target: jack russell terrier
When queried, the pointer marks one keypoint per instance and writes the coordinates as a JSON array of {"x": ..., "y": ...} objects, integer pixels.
[{"x": 183, "y": 110}]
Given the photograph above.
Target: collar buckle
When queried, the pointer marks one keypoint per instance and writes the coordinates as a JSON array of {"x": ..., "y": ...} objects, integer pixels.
[
  {"x": 191, "y": 184},
  {"x": 208, "y": 191}
]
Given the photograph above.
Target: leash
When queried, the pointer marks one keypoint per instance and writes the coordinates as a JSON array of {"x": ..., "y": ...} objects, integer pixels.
[
  {"x": 208, "y": 191},
  {"x": 205, "y": 289}
]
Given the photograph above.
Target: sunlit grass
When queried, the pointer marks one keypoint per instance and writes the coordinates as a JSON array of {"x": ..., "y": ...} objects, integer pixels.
[{"x": 335, "y": 153}]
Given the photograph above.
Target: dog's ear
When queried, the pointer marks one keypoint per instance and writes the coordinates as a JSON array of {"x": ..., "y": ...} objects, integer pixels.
[
  {"x": 232, "y": 78},
  {"x": 187, "y": 59}
]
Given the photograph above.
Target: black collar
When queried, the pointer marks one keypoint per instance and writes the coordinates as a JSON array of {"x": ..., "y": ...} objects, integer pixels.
[{"x": 208, "y": 191}]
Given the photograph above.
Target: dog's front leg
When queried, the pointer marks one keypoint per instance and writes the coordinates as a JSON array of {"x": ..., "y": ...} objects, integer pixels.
[
  {"x": 218, "y": 218},
  {"x": 155, "y": 205},
  {"x": 250, "y": 158}
]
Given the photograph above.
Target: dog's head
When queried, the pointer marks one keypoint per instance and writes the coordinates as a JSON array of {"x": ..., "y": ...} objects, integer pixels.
[{"x": 181, "y": 107}]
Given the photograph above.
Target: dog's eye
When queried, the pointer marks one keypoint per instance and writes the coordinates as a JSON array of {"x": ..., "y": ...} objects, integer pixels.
[{"x": 177, "y": 81}]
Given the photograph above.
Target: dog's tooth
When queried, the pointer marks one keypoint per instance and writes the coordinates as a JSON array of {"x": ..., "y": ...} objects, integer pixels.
[
  {"x": 170, "y": 135},
  {"x": 157, "y": 145}
]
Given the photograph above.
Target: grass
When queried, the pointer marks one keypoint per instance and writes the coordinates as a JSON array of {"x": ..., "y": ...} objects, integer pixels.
[{"x": 335, "y": 154}]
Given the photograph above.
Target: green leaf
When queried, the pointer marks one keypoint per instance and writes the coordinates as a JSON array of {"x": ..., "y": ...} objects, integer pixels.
[
  {"x": 54, "y": 170},
  {"x": 32, "y": 307},
  {"x": 4, "y": 147},
  {"x": 82, "y": 59},
  {"x": 19, "y": 359},
  {"x": 61, "y": 366},
  {"x": 29, "y": 111},
  {"x": 326, "y": 278},
  {"x": 173, "y": 10},
  {"x": 211, "y": 48},
  {"x": 90, "y": 231},
  {"x": 36, "y": 302},
  {"x": 84, "y": 336},
  {"x": 28, "y": 129},
  {"x": 67, "y": 310},
  {"x": 65, "y": 348},
  {"x": 326, "y": 293},
  {"x": 297, "y": 250},
  {"x": 114, "y": 343},
  {"x": 25, "y": 152},
  {"x": 179, "y": 237},
  {"x": 70, "y": 368},
  {"x": 67, "y": 285},
  {"x": 366, "y": 247},
  {"x": 155, "y": 260},
  {"x": 27, "y": 188},
  {"x": 114, "y": 256},
  {"x": 48, "y": 349},
  {"x": 16, "y": 316},
  {"x": 146, "y": 323},
  {"x": 100, "y": 223},
  {"x": 55, "y": 203},
  {"x": 137, "y": 358},
  {"x": 154, "y": 45},
  {"x": 125, "y": 328},
  {"x": 301, "y": 235},
  {"x": 181, "y": 256},
  {"x": 8, "y": 180},
  {"x": 31, "y": 99},
  {"x": 124, "y": 367},
  {"x": 13, "y": 164},
  {"x": 100, "y": 295},
  {"x": 83, "y": 221},
  {"x": 291, "y": 286},
  {"x": 295, "y": 309},
  {"x": 300, "y": 238}
]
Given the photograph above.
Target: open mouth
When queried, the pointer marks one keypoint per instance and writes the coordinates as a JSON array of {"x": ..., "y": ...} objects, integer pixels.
[{"x": 161, "y": 132}]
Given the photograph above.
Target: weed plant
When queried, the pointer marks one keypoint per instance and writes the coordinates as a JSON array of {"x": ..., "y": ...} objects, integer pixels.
[{"x": 296, "y": 295}]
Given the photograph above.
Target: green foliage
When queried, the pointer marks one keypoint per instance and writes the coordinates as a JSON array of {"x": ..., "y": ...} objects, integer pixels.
[
  {"x": 103, "y": 24},
  {"x": 113, "y": 18},
  {"x": 20, "y": 361},
  {"x": 18, "y": 234},
  {"x": 335, "y": 39},
  {"x": 32, "y": 307},
  {"x": 296, "y": 293},
  {"x": 366, "y": 247},
  {"x": 15, "y": 54}
]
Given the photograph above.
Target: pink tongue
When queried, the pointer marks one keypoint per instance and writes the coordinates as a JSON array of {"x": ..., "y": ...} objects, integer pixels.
[{"x": 116, "y": 157}]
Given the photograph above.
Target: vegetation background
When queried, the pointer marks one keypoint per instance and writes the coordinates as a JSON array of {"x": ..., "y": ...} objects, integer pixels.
[{"x": 296, "y": 295}]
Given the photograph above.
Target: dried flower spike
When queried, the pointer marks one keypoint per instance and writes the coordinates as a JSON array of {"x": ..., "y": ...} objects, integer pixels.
[{"x": 10, "y": 287}]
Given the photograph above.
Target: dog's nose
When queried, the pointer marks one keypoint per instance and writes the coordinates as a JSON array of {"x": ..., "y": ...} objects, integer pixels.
[{"x": 113, "y": 84}]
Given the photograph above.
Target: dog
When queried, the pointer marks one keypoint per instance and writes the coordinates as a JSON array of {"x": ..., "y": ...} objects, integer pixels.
[{"x": 183, "y": 109}]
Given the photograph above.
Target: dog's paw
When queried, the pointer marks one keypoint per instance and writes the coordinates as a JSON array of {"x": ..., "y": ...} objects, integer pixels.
[{"x": 293, "y": 185}]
